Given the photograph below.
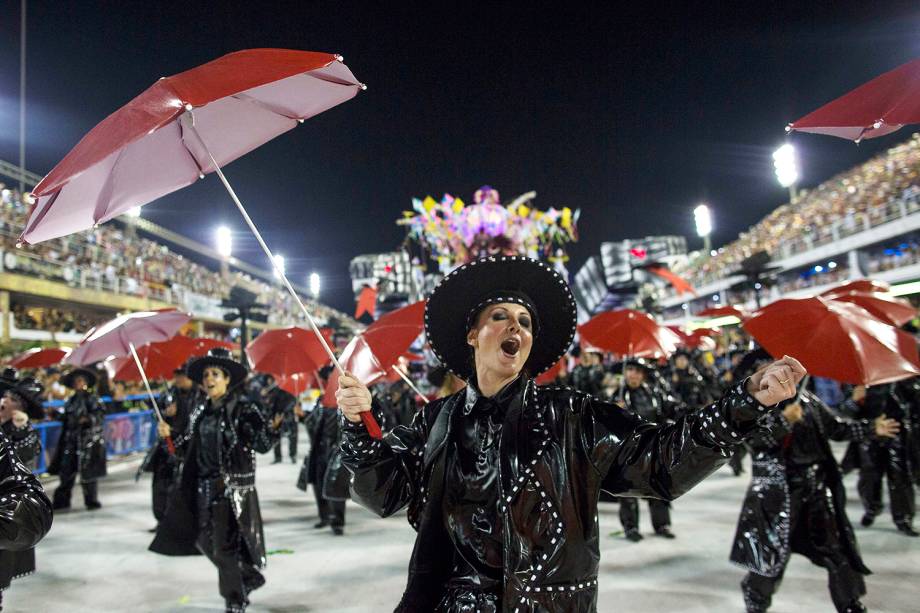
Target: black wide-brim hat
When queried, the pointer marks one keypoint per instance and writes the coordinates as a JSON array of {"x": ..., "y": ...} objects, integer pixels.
[
  {"x": 29, "y": 391},
  {"x": 471, "y": 287},
  {"x": 67, "y": 380},
  {"x": 219, "y": 357}
]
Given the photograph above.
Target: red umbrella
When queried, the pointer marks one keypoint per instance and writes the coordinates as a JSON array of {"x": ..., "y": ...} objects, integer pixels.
[
  {"x": 182, "y": 128},
  {"x": 158, "y": 360},
  {"x": 882, "y": 306},
  {"x": 550, "y": 375},
  {"x": 629, "y": 333},
  {"x": 296, "y": 383},
  {"x": 722, "y": 311},
  {"x": 286, "y": 351},
  {"x": 878, "y": 107},
  {"x": 371, "y": 354},
  {"x": 859, "y": 285},
  {"x": 837, "y": 340},
  {"x": 39, "y": 358}
]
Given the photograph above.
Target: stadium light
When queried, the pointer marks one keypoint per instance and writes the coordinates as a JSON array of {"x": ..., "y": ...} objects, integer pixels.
[
  {"x": 279, "y": 265},
  {"x": 786, "y": 167},
  {"x": 314, "y": 285},
  {"x": 703, "y": 219},
  {"x": 224, "y": 242},
  {"x": 134, "y": 212}
]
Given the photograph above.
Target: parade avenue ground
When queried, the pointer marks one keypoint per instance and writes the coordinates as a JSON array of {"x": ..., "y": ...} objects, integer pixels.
[{"x": 94, "y": 562}]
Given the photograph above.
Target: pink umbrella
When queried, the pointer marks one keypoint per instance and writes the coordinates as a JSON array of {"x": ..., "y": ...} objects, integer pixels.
[
  {"x": 184, "y": 127},
  {"x": 123, "y": 335}
]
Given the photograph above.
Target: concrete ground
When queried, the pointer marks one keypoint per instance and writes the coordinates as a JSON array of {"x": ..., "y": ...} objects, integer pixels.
[{"x": 92, "y": 562}]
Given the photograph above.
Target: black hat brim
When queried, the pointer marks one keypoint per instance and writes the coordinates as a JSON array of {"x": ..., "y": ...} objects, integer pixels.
[
  {"x": 90, "y": 376},
  {"x": 451, "y": 302},
  {"x": 196, "y": 369},
  {"x": 32, "y": 405}
]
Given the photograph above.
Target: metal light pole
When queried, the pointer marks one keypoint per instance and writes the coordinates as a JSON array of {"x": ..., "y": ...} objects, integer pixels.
[{"x": 22, "y": 98}]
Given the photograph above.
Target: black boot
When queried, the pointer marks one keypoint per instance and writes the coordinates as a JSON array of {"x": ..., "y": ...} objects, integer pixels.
[
  {"x": 855, "y": 607},
  {"x": 867, "y": 520},
  {"x": 664, "y": 531},
  {"x": 633, "y": 535},
  {"x": 906, "y": 529}
]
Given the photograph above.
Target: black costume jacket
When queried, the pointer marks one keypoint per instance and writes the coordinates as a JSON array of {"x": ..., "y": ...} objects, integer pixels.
[
  {"x": 323, "y": 467},
  {"x": 186, "y": 402},
  {"x": 245, "y": 432},
  {"x": 559, "y": 449},
  {"x": 25, "y": 515},
  {"x": 81, "y": 446},
  {"x": 762, "y": 540}
]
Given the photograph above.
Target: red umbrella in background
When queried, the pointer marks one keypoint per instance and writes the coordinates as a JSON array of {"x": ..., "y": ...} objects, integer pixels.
[
  {"x": 296, "y": 383},
  {"x": 371, "y": 354},
  {"x": 550, "y": 375},
  {"x": 39, "y": 358},
  {"x": 882, "y": 306},
  {"x": 158, "y": 360},
  {"x": 182, "y": 128},
  {"x": 722, "y": 311},
  {"x": 698, "y": 339},
  {"x": 859, "y": 285},
  {"x": 878, "y": 107},
  {"x": 199, "y": 347},
  {"x": 286, "y": 351},
  {"x": 837, "y": 340},
  {"x": 629, "y": 333}
]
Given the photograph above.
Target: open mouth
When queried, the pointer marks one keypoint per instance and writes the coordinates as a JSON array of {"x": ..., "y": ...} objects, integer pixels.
[{"x": 511, "y": 346}]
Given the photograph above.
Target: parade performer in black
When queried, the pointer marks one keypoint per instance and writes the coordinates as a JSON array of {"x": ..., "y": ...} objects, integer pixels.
[
  {"x": 881, "y": 458},
  {"x": 81, "y": 446},
  {"x": 796, "y": 503},
  {"x": 688, "y": 383},
  {"x": 25, "y": 511},
  {"x": 277, "y": 401},
  {"x": 588, "y": 375},
  {"x": 648, "y": 403},
  {"x": 323, "y": 468},
  {"x": 502, "y": 479},
  {"x": 181, "y": 399},
  {"x": 215, "y": 509}
]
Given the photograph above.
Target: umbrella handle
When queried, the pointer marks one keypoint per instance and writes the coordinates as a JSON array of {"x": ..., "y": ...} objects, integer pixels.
[
  {"x": 156, "y": 408},
  {"x": 374, "y": 428}
]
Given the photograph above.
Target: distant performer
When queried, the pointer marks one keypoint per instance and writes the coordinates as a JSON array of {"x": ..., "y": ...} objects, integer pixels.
[{"x": 81, "y": 446}]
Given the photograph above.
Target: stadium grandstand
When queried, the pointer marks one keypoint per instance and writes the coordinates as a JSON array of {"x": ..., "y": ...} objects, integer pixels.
[
  {"x": 58, "y": 289},
  {"x": 864, "y": 222}
]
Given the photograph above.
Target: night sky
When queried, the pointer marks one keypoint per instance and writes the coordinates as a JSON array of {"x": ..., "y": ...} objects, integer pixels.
[{"x": 634, "y": 115}]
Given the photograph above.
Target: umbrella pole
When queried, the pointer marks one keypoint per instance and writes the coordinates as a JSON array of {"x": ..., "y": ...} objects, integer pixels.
[
  {"x": 408, "y": 381},
  {"x": 369, "y": 422},
  {"x": 156, "y": 408}
]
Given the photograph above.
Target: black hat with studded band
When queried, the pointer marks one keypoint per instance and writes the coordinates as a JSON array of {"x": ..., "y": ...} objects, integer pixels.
[{"x": 455, "y": 303}]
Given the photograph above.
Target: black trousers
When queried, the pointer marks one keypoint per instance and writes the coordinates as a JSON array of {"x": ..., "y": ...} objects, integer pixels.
[
  {"x": 162, "y": 485},
  {"x": 219, "y": 539},
  {"x": 629, "y": 513},
  {"x": 291, "y": 430},
  {"x": 65, "y": 489},
  {"x": 880, "y": 459},
  {"x": 813, "y": 532},
  {"x": 331, "y": 511}
]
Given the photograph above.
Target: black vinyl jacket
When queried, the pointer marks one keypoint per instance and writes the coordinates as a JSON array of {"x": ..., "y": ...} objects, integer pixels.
[{"x": 559, "y": 449}]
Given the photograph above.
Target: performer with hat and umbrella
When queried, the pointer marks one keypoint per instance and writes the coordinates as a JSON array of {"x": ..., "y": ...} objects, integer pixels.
[
  {"x": 183, "y": 396},
  {"x": 215, "y": 509},
  {"x": 502, "y": 478},
  {"x": 81, "y": 446},
  {"x": 28, "y": 506}
]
